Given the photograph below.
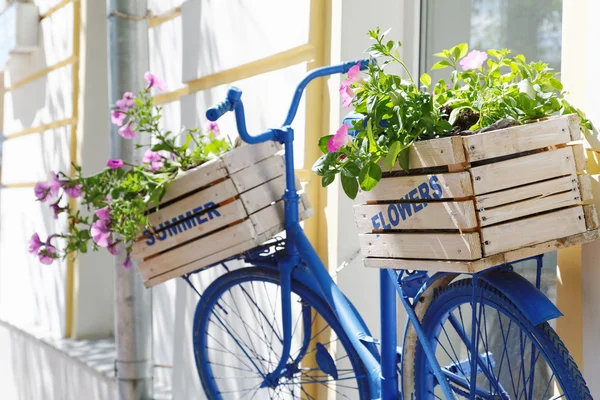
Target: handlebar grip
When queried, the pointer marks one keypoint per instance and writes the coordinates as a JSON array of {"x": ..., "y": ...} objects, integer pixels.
[{"x": 216, "y": 112}]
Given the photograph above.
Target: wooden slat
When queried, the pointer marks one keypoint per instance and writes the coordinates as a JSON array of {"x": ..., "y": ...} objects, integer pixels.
[
  {"x": 483, "y": 263},
  {"x": 273, "y": 216},
  {"x": 41, "y": 128},
  {"x": 439, "y": 246},
  {"x": 215, "y": 194},
  {"x": 168, "y": 15},
  {"x": 535, "y": 190},
  {"x": 197, "y": 250},
  {"x": 585, "y": 187},
  {"x": 185, "y": 231},
  {"x": 258, "y": 173},
  {"x": 514, "y": 235},
  {"x": 438, "y": 186},
  {"x": 265, "y": 194},
  {"x": 523, "y": 170},
  {"x": 580, "y": 160},
  {"x": 198, "y": 264},
  {"x": 591, "y": 217},
  {"x": 434, "y": 153},
  {"x": 196, "y": 178},
  {"x": 523, "y": 208},
  {"x": 435, "y": 215},
  {"x": 517, "y": 139},
  {"x": 43, "y": 72},
  {"x": 54, "y": 9},
  {"x": 247, "y": 155},
  {"x": 574, "y": 127}
]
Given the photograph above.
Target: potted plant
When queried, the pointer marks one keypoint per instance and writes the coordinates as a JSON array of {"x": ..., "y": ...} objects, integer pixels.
[
  {"x": 463, "y": 173},
  {"x": 189, "y": 203}
]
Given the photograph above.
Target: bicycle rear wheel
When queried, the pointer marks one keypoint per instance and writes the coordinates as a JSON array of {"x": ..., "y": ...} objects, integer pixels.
[
  {"x": 515, "y": 359},
  {"x": 238, "y": 341}
]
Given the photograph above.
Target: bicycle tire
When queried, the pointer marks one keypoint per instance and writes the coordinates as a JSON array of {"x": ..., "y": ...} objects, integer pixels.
[
  {"x": 248, "y": 276},
  {"x": 562, "y": 366}
]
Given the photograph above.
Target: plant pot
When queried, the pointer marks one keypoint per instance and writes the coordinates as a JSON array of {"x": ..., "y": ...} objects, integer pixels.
[
  {"x": 218, "y": 210},
  {"x": 468, "y": 203}
]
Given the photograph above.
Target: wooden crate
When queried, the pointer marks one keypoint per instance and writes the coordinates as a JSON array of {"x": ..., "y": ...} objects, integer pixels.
[
  {"x": 218, "y": 210},
  {"x": 468, "y": 203}
]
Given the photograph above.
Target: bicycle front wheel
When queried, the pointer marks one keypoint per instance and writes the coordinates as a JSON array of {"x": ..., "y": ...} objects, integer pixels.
[
  {"x": 238, "y": 341},
  {"x": 515, "y": 360}
]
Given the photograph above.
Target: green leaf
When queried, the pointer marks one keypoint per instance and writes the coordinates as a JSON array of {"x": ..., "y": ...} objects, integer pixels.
[
  {"x": 425, "y": 79},
  {"x": 556, "y": 84},
  {"x": 350, "y": 169},
  {"x": 350, "y": 186},
  {"x": 460, "y": 50},
  {"x": 390, "y": 158},
  {"x": 327, "y": 180},
  {"x": 440, "y": 65},
  {"x": 495, "y": 53},
  {"x": 372, "y": 143},
  {"x": 188, "y": 140},
  {"x": 323, "y": 143},
  {"x": 526, "y": 87},
  {"x": 455, "y": 114},
  {"x": 403, "y": 159},
  {"x": 369, "y": 176}
]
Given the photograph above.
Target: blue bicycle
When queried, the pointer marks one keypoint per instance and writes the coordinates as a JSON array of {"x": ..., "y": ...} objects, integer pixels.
[{"x": 281, "y": 327}]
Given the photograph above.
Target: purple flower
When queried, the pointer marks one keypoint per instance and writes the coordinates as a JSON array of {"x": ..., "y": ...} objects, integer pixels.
[
  {"x": 473, "y": 60},
  {"x": 103, "y": 213},
  {"x": 100, "y": 233},
  {"x": 54, "y": 184},
  {"x": 126, "y": 132},
  {"x": 56, "y": 208},
  {"x": 126, "y": 102},
  {"x": 73, "y": 191},
  {"x": 42, "y": 191},
  {"x": 213, "y": 127},
  {"x": 112, "y": 248},
  {"x": 340, "y": 138},
  {"x": 127, "y": 263},
  {"x": 35, "y": 243},
  {"x": 109, "y": 198},
  {"x": 154, "y": 81},
  {"x": 114, "y": 164},
  {"x": 347, "y": 94},
  {"x": 47, "y": 255},
  {"x": 154, "y": 159},
  {"x": 117, "y": 117}
]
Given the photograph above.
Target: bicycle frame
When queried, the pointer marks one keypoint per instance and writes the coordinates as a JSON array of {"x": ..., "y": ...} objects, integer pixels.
[{"x": 382, "y": 371}]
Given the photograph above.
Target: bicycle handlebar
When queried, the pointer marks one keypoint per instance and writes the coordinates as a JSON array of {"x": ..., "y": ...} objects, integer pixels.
[{"x": 233, "y": 102}]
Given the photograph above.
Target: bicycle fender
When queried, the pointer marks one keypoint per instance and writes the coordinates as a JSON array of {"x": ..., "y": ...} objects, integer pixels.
[{"x": 534, "y": 305}]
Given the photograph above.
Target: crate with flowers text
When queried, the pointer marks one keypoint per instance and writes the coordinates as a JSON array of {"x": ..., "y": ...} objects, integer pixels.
[
  {"x": 470, "y": 202},
  {"x": 216, "y": 211}
]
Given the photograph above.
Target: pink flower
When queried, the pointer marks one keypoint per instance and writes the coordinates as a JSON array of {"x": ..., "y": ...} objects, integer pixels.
[
  {"x": 114, "y": 164},
  {"x": 354, "y": 73},
  {"x": 47, "y": 255},
  {"x": 340, "y": 138},
  {"x": 117, "y": 117},
  {"x": 126, "y": 102},
  {"x": 347, "y": 94},
  {"x": 473, "y": 60},
  {"x": 35, "y": 243},
  {"x": 154, "y": 81},
  {"x": 126, "y": 132},
  {"x": 112, "y": 248},
  {"x": 42, "y": 191},
  {"x": 103, "y": 213},
  {"x": 154, "y": 159},
  {"x": 109, "y": 198},
  {"x": 100, "y": 232},
  {"x": 127, "y": 263},
  {"x": 73, "y": 191},
  {"x": 213, "y": 127},
  {"x": 54, "y": 184}
]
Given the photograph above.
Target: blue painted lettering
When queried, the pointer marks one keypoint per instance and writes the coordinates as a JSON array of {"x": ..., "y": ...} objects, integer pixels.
[
  {"x": 213, "y": 211},
  {"x": 424, "y": 192},
  {"x": 162, "y": 234},
  {"x": 416, "y": 206},
  {"x": 404, "y": 209},
  {"x": 434, "y": 183},
  {"x": 393, "y": 215},
  {"x": 199, "y": 217},
  {"x": 150, "y": 237},
  {"x": 376, "y": 224},
  {"x": 385, "y": 226}
]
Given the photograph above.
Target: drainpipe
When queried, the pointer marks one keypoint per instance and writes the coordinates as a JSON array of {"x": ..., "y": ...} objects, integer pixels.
[{"x": 128, "y": 60}]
